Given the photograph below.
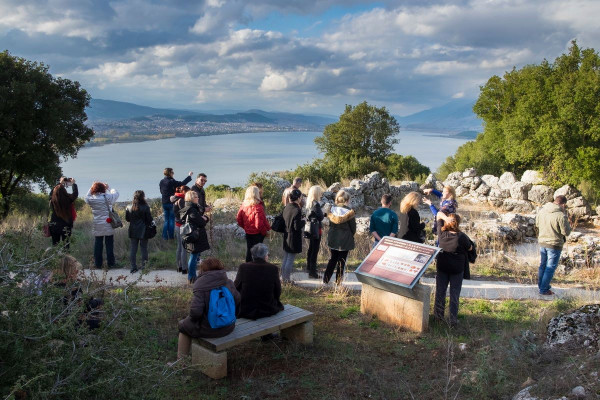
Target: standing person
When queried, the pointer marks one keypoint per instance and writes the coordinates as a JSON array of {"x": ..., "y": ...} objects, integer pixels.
[
  {"x": 251, "y": 217},
  {"x": 139, "y": 217},
  {"x": 553, "y": 225},
  {"x": 259, "y": 285},
  {"x": 196, "y": 324},
  {"x": 448, "y": 204},
  {"x": 259, "y": 185},
  {"x": 178, "y": 203},
  {"x": 450, "y": 265},
  {"x": 408, "y": 206},
  {"x": 62, "y": 211},
  {"x": 342, "y": 227},
  {"x": 167, "y": 189},
  {"x": 199, "y": 240},
  {"x": 100, "y": 201},
  {"x": 384, "y": 221},
  {"x": 198, "y": 188},
  {"x": 292, "y": 238},
  {"x": 285, "y": 197},
  {"x": 314, "y": 216}
]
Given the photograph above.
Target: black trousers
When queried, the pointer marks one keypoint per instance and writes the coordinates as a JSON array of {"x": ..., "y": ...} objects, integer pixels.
[
  {"x": 338, "y": 261},
  {"x": 251, "y": 240},
  {"x": 441, "y": 285},
  {"x": 311, "y": 255},
  {"x": 61, "y": 232}
]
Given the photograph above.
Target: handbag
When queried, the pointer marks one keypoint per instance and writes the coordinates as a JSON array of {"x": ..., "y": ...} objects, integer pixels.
[
  {"x": 46, "y": 229},
  {"x": 150, "y": 230},
  {"x": 278, "y": 224},
  {"x": 311, "y": 230},
  {"x": 115, "y": 220}
]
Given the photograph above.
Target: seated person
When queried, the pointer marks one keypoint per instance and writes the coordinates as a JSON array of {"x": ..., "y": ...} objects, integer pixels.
[
  {"x": 196, "y": 324},
  {"x": 258, "y": 283}
]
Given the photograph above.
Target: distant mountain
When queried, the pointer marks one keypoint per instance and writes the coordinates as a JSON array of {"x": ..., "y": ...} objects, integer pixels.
[
  {"x": 454, "y": 117},
  {"x": 115, "y": 110}
]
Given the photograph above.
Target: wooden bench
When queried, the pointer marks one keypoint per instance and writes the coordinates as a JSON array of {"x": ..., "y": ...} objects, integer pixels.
[{"x": 210, "y": 357}]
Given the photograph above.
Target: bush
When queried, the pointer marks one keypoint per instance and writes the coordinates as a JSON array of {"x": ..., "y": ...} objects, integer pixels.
[
  {"x": 404, "y": 168},
  {"x": 273, "y": 186}
]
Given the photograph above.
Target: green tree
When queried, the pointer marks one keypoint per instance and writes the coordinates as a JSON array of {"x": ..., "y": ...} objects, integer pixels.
[
  {"x": 544, "y": 117},
  {"x": 41, "y": 122},
  {"x": 403, "y": 167}
]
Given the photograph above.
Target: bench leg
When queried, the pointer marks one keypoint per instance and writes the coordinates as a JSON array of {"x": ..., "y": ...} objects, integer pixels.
[
  {"x": 212, "y": 364},
  {"x": 302, "y": 333}
]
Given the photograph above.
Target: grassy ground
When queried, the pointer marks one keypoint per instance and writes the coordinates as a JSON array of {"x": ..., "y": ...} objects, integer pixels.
[{"x": 497, "y": 347}]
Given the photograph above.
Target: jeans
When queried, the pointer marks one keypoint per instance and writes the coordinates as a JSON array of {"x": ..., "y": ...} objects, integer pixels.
[
  {"x": 192, "y": 264},
  {"x": 181, "y": 254},
  {"x": 110, "y": 255},
  {"x": 338, "y": 261},
  {"x": 311, "y": 255},
  {"x": 133, "y": 252},
  {"x": 548, "y": 262},
  {"x": 251, "y": 240},
  {"x": 441, "y": 286},
  {"x": 169, "y": 225},
  {"x": 287, "y": 264}
]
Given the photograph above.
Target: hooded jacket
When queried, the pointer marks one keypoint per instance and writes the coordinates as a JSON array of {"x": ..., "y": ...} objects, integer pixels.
[
  {"x": 196, "y": 324},
  {"x": 553, "y": 225},
  {"x": 342, "y": 228}
]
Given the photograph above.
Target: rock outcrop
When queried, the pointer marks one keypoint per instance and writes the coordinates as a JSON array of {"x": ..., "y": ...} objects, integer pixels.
[{"x": 579, "y": 328}]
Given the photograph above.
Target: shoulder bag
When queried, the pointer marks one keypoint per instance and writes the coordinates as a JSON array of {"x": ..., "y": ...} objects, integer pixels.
[{"x": 115, "y": 220}]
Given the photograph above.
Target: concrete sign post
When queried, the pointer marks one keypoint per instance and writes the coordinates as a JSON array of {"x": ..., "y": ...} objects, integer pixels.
[{"x": 390, "y": 288}]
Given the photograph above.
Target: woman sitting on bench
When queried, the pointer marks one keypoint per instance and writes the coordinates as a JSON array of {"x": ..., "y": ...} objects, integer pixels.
[{"x": 196, "y": 324}]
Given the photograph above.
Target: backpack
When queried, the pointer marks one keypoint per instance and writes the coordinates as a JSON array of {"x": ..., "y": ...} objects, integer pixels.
[
  {"x": 221, "y": 308},
  {"x": 278, "y": 224}
]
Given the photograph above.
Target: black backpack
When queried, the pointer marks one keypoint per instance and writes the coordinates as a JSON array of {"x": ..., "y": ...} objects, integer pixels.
[{"x": 278, "y": 224}]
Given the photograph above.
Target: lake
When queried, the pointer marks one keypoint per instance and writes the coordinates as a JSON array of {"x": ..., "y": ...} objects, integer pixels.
[{"x": 226, "y": 159}]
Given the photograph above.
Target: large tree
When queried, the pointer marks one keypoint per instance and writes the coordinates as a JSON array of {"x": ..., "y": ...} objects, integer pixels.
[
  {"x": 544, "y": 117},
  {"x": 360, "y": 141},
  {"x": 41, "y": 122}
]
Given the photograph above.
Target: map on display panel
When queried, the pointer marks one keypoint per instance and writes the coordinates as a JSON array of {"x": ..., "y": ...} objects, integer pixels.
[{"x": 398, "y": 261}]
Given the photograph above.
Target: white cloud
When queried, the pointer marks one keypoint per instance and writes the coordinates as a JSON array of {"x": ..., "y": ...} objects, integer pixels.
[
  {"x": 458, "y": 95},
  {"x": 441, "y": 67},
  {"x": 273, "y": 82}
]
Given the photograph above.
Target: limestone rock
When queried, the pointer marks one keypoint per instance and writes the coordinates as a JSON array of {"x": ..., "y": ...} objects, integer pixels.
[
  {"x": 568, "y": 191},
  {"x": 362, "y": 225},
  {"x": 490, "y": 180},
  {"x": 334, "y": 187},
  {"x": 373, "y": 187},
  {"x": 357, "y": 198},
  {"x": 520, "y": 206},
  {"x": 506, "y": 180},
  {"x": 471, "y": 182},
  {"x": 469, "y": 172},
  {"x": 281, "y": 183},
  {"x": 519, "y": 190},
  {"x": 576, "y": 327},
  {"x": 461, "y": 191},
  {"x": 497, "y": 196},
  {"x": 430, "y": 181},
  {"x": 225, "y": 204},
  {"x": 533, "y": 177},
  {"x": 329, "y": 195},
  {"x": 540, "y": 194},
  {"x": 483, "y": 189},
  {"x": 356, "y": 184},
  {"x": 579, "y": 207},
  {"x": 579, "y": 392},
  {"x": 452, "y": 182},
  {"x": 455, "y": 176},
  {"x": 524, "y": 394},
  {"x": 226, "y": 231}
]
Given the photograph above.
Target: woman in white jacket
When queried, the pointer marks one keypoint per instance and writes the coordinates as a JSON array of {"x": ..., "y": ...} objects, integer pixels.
[{"x": 99, "y": 200}]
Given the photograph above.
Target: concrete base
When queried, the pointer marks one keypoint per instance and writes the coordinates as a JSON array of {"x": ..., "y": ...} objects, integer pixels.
[
  {"x": 409, "y": 313},
  {"x": 302, "y": 333},
  {"x": 210, "y": 363}
]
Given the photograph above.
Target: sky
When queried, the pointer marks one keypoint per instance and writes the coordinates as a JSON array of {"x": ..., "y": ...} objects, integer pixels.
[{"x": 309, "y": 56}]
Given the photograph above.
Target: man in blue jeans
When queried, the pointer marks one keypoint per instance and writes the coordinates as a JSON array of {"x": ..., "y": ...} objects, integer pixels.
[
  {"x": 553, "y": 225},
  {"x": 167, "y": 189}
]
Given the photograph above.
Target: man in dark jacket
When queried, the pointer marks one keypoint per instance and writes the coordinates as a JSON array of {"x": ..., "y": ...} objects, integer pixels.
[
  {"x": 258, "y": 283},
  {"x": 167, "y": 189},
  {"x": 198, "y": 188}
]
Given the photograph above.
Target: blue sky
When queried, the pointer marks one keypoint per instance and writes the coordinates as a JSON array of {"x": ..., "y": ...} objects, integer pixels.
[{"x": 297, "y": 55}]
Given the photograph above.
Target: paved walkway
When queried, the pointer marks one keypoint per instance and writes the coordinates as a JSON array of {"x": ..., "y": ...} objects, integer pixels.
[{"x": 476, "y": 289}]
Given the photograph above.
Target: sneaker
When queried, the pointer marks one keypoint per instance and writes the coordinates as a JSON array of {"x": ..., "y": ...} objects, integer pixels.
[{"x": 548, "y": 293}]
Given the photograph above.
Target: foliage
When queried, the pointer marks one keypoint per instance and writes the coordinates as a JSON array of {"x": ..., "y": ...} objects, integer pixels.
[
  {"x": 404, "y": 167},
  {"x": 220, "y": 191},
  {"x": 42, "y": 121},
  {"x": 544, "y": 117},
  {"x": 273, "y": 187}
]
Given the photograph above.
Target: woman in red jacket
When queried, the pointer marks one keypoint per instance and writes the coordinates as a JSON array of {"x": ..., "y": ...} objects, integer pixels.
[{"x": 252, "y": 218}]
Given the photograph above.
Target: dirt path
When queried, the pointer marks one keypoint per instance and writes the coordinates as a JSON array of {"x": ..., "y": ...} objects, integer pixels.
[{"x": 491, "y": 290}]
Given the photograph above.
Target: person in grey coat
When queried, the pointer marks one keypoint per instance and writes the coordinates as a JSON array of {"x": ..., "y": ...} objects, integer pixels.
[
  {"x": 139, "y": 217},
  {"x": 97, "y": 198}
]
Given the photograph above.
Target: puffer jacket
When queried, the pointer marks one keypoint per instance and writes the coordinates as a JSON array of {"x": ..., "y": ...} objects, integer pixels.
[
  {"x": 342, "y": 228},
  {"x": 553, "y": 225},
  {"x": 100, "y": 212},
  {"x": 138, "y": 221},
  {"x": 196, "y": 324},
  {"x": 253, "y": 220},
  {"x": 191, "y": 213}
]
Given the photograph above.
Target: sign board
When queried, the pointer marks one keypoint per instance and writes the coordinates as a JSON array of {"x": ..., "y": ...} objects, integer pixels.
[{"x": 395, "y": 263}]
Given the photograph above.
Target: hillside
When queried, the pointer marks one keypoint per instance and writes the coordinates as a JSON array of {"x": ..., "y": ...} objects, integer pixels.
[{"x": 454, "y": 117}]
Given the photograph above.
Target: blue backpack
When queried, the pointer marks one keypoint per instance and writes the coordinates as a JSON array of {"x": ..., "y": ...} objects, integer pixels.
[{"x": 221, "y": 308}]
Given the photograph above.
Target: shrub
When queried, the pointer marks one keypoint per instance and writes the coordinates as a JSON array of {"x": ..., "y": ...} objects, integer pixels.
[{"x": 273, "y": 186}]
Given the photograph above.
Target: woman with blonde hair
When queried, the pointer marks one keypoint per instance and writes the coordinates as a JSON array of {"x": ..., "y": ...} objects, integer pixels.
[
  {"x": 414, "y": 227},
  {"x": 342, "y": 227},
  {"x": 313, "y": 228},
  {"x": 251, "y": 217},
  {"x": 448, "y": 204}
]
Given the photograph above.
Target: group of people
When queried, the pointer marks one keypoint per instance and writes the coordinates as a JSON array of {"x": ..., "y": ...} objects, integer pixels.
[{"x": 185, "y": 219}]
